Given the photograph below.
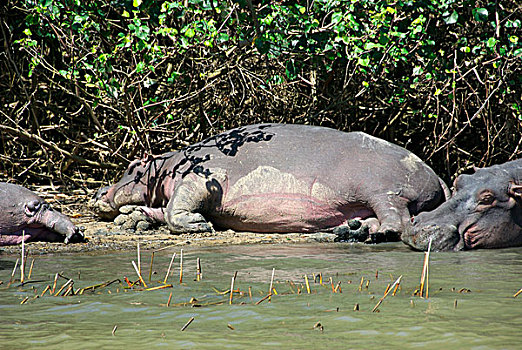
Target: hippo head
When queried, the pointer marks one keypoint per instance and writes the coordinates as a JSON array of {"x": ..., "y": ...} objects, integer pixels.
[
  {"x": 132, "y": 189},
  {"x": 40, "y": 213},
  {"x": 485, "y": 211}
]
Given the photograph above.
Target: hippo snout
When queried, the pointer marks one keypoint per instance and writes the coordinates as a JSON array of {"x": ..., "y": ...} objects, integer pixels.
[
  {"x": 77, "y": 236},
  {"x": 443, "y": 236}
]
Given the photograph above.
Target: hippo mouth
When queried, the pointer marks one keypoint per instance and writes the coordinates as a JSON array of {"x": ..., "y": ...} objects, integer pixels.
[{"x": 472, "y": 236}]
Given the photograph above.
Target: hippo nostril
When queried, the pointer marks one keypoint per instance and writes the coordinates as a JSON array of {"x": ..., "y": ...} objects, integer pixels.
[{"x": 32, "y": 207}]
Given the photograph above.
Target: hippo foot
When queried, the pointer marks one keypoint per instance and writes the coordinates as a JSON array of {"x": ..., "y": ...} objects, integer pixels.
[
  {"x": 354, "y": 231},
  {"x": 77, "y": 236},
  {"x": 132, "y": 217},
  {"x": 184, "y": 222}
]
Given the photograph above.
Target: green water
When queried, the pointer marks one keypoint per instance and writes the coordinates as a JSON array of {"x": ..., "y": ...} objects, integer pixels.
[{"x": 487, "y": 317}]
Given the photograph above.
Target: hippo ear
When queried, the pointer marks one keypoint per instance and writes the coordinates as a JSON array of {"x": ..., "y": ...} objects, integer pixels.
[{"x": 515, "y": 190}]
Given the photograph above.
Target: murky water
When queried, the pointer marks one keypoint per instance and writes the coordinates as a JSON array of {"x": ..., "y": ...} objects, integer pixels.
[{"x": 470, "y": 304}]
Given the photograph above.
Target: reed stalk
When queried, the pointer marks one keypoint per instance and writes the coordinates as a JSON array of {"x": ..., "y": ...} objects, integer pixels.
[
  {"x": 22, "y": 265},
  {"x": 187, "y": 324},
  {"x": 170, "y": 266},
  {"x": 159, "y": 287},
  {"x": 13, "y": 273},
  {"x": 139, "y": 274},
  {"x": 263, "y": 299},
  {"x": 170, "y": 298},
  {"x": 62, "y": 288},
  {"x": 517, "y": 293},
  {"x": 151, "y": 262},
  {"x": 181, "y": 266},
  {"x": 386, "y": 294},
  {"x": 54, "y": 284},
  {"x": 199, "y": 276},
  {"x": 139, "y": 258},
  {"x": 307, "y": 284},
  {"x": 271, "y": 283},
  {"x": 45, "y": 290},
  {"x": 30, "y": 270},
  {"x": 232, "y": 287},
  {"x": 425, "y": 271}
]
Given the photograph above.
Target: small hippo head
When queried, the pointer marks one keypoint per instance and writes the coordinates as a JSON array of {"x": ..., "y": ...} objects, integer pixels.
[
  {"x": 485, "y": 211},
  {"x": 133, "y": 188}
]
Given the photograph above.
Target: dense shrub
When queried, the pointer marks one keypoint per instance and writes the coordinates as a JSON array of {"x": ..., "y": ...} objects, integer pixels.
[{"x": 87, "y": 86}]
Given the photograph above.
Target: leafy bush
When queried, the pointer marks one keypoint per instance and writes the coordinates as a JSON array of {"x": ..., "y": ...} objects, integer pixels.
[{"x": 95, "y": 84}]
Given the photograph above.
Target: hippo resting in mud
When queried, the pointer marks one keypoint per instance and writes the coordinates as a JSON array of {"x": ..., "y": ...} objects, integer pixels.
[
  {"x": 23, "y": 211},
  {"x": 280, "y": 178},
  {"x": 485, "y": 211}
]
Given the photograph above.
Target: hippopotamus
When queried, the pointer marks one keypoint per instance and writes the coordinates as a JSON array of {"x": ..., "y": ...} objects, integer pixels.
[
  {"x": 485, "y": 211},
  {"x": 24, "y": 214},
  {"x": 279, "y": 178}
]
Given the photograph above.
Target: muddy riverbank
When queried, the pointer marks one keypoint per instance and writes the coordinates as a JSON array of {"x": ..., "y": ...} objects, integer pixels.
[{"x": 103, "y": 235}]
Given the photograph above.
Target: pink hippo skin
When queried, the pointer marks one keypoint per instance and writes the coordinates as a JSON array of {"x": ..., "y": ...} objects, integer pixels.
[
  {"x": 279, "y": 178},
  {"x": 23, "y": 211}
]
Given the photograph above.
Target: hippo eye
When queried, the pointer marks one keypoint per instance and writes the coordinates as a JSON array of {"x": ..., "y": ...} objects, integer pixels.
[{"x": 486, "y": 198}]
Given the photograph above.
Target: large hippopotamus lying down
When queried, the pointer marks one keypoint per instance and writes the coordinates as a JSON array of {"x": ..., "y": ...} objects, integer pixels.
[
  {"x": 485, "y": 211},
  {"x": 23, "y": 211},
  {"x": 279, "y": 178}
]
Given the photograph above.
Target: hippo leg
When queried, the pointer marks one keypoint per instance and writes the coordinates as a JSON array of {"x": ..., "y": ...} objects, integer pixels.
[
  {"x": 195, "y": 194},
  {"x": 393, "y": 215},
  {"x": 141, "y": 218}
]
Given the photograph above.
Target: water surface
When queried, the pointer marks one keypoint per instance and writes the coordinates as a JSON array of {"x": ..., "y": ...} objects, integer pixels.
[{"x": 470, "y": 303}]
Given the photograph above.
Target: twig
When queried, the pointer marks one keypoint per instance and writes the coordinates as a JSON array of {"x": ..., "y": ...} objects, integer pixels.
[
  {"x": 307, "y": 284},
  {"x": 22, "y": 265},
  {"x": 13, "y": 273},
  {"x": 187, "y": 324},
  {"x": 35, "y": 138},
  {"x": 151, "y": 262},
  {"x": 54, "y": 284},
  {"x": 139, "y": 257},
  {"x": 65, "y": 285},
  {"x": 181, "y": 266},
  {"x": 517, "y": 293},
  {"x": 425, "y": 270},
  {"x": 199, "y": 276},
  {"x": 139, "y": 274},
  {"x": 232, "y": 288},
  {"x": 30, "y": 269},
  {"x": 264, "y": 298},
  {"x": 386, "y": 294},
  {"x": 159, "y": 287},
  {"x": 271, "y": 282},
  {"x": 170, "y": 266},
  {"x": 45, "y": 290}
]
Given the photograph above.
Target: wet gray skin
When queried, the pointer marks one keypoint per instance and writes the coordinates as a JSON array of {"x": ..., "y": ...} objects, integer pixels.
[
  {"x": 485, "y": 211},
  {"x": 279, "y": 178},
  {"x": 23, "y": 213}
]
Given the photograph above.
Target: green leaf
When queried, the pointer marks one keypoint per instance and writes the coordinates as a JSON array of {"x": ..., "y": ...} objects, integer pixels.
[
  {"x": 417, "y": 70},
  {"x": 491, "y": 43},
  {"x": 451, "y": 18},
  {"x": 136, "y": 3},
  {"x": 190, "y": 33},
  {"x": 140, "y": 66},
  {"x": 365, "y": 62},
  {"x": 480, "y": 14}
]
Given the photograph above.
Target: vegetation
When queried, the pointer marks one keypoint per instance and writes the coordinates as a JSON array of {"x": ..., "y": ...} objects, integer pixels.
[{"x": 88, "y": 86}]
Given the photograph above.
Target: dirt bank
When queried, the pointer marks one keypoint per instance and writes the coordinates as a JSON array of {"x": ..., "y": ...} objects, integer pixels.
[{"x": 107, "y": 236}]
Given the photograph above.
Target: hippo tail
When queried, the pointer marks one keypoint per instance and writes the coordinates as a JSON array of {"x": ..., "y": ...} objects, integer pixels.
[{"x": 445, "y": 188}]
